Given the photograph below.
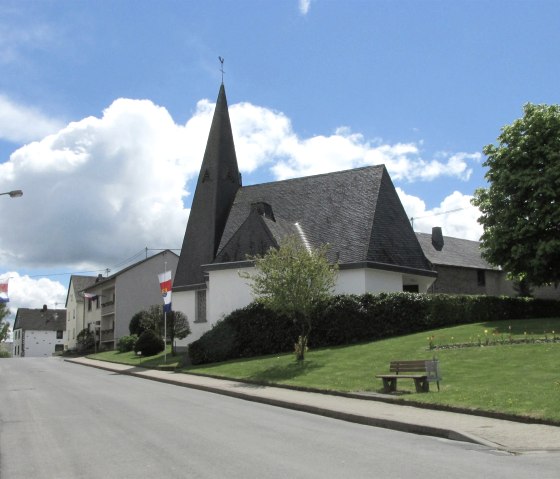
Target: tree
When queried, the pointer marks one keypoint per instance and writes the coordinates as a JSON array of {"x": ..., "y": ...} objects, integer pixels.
[
  {"x": 135, "y": 325},
  {"x": 177, "y": 324},
  {"x": 521, "y": 207},
  {"x": 4, "y": 325},
  {"x": 291, "y": 280},
  {"x": 177, "y": 328}
]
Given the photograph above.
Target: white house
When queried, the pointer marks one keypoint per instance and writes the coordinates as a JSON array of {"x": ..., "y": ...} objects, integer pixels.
[
  {"x": 112, "y": 301},
  {"x": 39, "y": 332},
  {"x": 356, "y": 212}
]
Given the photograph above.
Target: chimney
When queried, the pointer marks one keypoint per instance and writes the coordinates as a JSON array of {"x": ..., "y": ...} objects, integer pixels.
[
  {"x": 437, "y": 238},
  {"x": 99, "y": 278}
]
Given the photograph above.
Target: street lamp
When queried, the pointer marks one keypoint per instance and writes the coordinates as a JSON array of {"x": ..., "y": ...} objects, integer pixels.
[{"x": 13, "y": 193}]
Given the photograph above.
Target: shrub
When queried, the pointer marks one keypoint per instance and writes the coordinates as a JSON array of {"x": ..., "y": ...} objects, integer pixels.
[
  {"x": 135, "y": 326},
  {"x": 149, "y": 343},
  {"x": 126, "y": 343},
  {"x": 85, "y": 340},
  {"x": 345, "y": 319}
]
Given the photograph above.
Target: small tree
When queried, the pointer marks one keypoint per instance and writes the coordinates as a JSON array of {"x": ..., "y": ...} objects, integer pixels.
[
  {"x": 291, "y": 280},
  {"x": 135, "y": 325},
  {"x": 152, "y": 318},
  {"x": 177, "y": 328},
  {"x": 177, "y": 324},
  {"x": 4, "y": 325},
  {"x": 85, "y": 340}
]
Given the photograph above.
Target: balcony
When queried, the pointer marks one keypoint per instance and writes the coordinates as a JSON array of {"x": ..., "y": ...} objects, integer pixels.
[
  {"x": 107, "y": 308},
  {"x": 107, "y": 335}
]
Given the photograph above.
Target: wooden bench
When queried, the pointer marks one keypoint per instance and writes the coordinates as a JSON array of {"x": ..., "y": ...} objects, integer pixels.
[{"x": 428, "y": 370}]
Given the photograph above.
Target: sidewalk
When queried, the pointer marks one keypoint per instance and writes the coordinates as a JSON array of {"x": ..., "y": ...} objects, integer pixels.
[{"x": 499, "y": 434}]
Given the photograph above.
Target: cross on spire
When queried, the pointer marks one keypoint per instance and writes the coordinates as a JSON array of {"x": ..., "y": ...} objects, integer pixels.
[{"x": 222, "y": 67}]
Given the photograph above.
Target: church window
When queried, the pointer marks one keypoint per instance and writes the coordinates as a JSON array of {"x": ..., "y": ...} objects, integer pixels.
[{"x": 200, "y": 308}]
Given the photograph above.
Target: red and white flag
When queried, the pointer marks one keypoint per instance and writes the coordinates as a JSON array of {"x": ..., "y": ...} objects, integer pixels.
[
  {"x": 165, "y": 287},
  {"x": 4, "y": 291}
]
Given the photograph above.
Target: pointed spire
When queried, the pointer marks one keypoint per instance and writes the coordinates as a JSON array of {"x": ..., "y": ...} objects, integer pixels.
[{"x": 217, "y": 185}]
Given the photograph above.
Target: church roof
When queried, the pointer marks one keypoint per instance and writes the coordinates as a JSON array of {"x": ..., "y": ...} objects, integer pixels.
[
  {"x": 356, "y": 212},
  {"x": 218, "y": 182}
]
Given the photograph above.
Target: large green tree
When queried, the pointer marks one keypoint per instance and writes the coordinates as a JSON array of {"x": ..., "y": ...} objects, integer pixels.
[
  {"x": 291, "y": 280},
  {"x": 521, "y": 206}
]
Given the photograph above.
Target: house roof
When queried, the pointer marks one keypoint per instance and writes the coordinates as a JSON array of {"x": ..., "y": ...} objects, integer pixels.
[
  {"x": 101, "y": 280},
  {"x": 455, "y": 252},
  {"x": 40, "y": 320},
  {"x": 80, "y": 283},
  {"x": 357, "y": 212}
]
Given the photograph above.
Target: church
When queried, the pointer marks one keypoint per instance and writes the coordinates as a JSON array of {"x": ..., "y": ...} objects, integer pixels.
[{"x": 356, "y": 212}]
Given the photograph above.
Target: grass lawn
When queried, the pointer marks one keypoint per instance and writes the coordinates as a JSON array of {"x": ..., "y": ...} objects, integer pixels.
[
  {"x": 158, "y": 361},
  {"x": 521, "y": 379}
]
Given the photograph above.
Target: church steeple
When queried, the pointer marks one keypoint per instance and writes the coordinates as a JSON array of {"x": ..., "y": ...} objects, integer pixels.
[{"x": 217, "y": 185}]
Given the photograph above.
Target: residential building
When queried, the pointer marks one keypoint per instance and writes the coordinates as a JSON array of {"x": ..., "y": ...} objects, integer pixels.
[
  {"x": 39, "y": 332},
  {"x": 76, "y": 308},
  {"x": 461, "y": 269},
  {"x": 112, "y": 301},
  {"x": 356, "y": 212}
]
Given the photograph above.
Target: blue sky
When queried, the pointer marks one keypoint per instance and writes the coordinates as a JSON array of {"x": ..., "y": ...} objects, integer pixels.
[{"x": 105, "y": 109}]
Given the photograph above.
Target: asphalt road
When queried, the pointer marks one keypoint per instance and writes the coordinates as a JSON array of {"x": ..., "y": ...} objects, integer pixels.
[{"x": 65, "y": 421}]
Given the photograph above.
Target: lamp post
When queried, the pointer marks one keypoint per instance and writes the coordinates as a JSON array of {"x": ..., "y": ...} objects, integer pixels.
[{"x": 13, "y": 193}]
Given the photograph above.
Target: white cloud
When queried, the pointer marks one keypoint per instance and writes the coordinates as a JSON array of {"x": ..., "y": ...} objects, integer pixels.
[
  {"x": 455, "y": 214},
  {"x": 344, "y": 150},
  {"x": 19, "y": 123},
  {"x": 304, "y": 6},
  {"x": 102, "y": 188}
]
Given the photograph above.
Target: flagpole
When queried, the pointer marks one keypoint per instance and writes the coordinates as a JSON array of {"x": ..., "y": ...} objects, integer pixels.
[{"x": 164, "y": 323}]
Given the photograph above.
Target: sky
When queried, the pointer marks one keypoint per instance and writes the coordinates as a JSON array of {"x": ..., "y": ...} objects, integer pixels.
[{"x": 105, "y": 109}]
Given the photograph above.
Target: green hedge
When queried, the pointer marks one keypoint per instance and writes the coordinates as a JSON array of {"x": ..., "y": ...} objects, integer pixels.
[{"x": 345, "y": 319}]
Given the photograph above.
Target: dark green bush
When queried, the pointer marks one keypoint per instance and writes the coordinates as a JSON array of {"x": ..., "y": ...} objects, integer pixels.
[
  {"x": 346, "y": 319},
  {"x": 149, "y": 343},
  {"x": 126, "y": 343}
]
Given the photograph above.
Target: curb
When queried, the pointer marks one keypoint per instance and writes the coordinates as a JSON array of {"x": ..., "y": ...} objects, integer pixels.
[{"x": 348, "y": 417}]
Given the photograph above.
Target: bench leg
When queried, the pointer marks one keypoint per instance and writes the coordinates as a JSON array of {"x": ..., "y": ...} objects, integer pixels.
[
  {"x": 422, "y": 385},
  {"x": 389, "y": 385}
]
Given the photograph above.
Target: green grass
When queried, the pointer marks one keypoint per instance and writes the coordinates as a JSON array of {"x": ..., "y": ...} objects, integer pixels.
[
  {"x": 155, "y": 362},
  {"x": 520, "y": 379}
]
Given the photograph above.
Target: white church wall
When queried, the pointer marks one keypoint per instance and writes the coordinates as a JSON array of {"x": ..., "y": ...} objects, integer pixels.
[{"x": 228, "y": 292}]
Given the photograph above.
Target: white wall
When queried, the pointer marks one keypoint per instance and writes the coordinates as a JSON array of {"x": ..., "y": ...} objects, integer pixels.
[
  {"x": 41, "y": 343},
  {"x": 227, "y": 292},
  {"x": 184, "y": 301}
]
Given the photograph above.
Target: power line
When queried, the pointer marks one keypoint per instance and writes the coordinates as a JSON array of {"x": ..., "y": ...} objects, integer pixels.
[{"x": 436, "y": 214}]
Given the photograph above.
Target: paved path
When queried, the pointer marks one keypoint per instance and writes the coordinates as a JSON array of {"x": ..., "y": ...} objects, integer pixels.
[{"x": 500, "y": 434}]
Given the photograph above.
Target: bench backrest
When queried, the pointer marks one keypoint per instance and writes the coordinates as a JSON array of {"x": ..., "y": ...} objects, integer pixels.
[{"x": 418, "y": 365}]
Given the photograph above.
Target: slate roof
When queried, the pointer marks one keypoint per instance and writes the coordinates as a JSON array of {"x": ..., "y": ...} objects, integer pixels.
[
  {"x": 80, "y": 283},
  {"x": 38, "y": 320},
  {"x": 218, "y": 181},
  {"x": 357, "y": 212},
  {"x": 455, "y": 252}
]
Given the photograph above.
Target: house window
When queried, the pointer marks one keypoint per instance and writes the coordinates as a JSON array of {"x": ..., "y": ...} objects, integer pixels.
[
  {"x": 89, "y": 304},
  {"x": 481, "y": 277},
  {"x": 200, "y": 307},
  {"x": 59, "y": 334},
  {"x": 59, "y": 347}
]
